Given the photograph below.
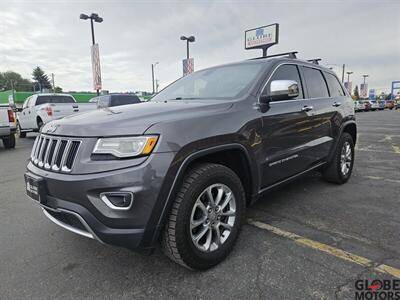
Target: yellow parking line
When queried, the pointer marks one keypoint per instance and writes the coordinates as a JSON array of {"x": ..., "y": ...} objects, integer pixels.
[
  {"x": 381, "y": 178},
  {"x": 359, "y": 260}
]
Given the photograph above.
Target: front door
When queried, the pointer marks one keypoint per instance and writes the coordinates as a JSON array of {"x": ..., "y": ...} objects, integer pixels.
[{"x": 286, "y": 131}]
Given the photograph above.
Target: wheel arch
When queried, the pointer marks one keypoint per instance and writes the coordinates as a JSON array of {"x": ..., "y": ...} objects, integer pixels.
[{"x": 210, "y": 155}]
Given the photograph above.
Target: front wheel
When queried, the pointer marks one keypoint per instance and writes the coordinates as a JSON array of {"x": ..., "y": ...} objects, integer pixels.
[
  {"x": 340, "y": 168},
  {"x": 205, "y": 218}
]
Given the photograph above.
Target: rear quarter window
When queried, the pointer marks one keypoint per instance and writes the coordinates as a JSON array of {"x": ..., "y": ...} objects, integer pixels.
[
  {"x": 124, "y": 100},
  {"x": 335, "y": 89}
]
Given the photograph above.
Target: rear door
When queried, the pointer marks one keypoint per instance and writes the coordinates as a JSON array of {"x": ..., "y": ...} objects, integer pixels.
[
  {"x": 325, "y": 102},
  {"x": 286, "y": 129}
]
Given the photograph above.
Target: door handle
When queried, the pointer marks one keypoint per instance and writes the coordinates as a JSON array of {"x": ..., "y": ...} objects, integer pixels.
[
  {"x": 307, "y": 108},
  {"x": 336, "y": 104}
]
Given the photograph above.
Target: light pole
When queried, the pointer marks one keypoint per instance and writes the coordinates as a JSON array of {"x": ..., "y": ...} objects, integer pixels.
[
  {"x": 365, "y": 76},
  {"x": 96, "y": 18},
  {"x": 188, "y": 40},
  {"x": 348, "y": 76},
  {"x": 152, "y": 74}
]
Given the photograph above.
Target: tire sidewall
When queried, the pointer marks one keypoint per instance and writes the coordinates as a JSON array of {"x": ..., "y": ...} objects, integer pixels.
[
  {"x": 183, "y": 221},
  {"x": 345, "y": 138}
]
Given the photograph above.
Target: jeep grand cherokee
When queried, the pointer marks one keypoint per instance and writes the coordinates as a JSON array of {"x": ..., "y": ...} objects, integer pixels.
[{"x": 181, "y": 169}]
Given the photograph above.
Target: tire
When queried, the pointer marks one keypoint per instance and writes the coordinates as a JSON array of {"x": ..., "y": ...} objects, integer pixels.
[
  {"x": 39, "y": 124},
  {"x": 9, "y": 142},
  {"x": 178, "y": 240},
  {"x": 334, "y": 172},
  {"x": 19, "y": 131}
]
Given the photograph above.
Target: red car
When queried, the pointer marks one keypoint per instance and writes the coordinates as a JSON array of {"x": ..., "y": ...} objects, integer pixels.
[{"x": 390, "y": 104}]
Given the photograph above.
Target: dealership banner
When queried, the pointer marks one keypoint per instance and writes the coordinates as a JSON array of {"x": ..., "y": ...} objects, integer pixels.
[
  {"x": 372, "y": 94},
  {"x": 188, "y": 66},
  {"x": 364, "y": 90},
  {"x": 348, "y": 85},
  {"x": 96, "y": 67}
]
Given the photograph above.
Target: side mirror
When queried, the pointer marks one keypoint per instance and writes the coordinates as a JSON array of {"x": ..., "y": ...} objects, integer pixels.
[
  {"x": 17, "y": 109},
  {"x": 283, "y": 90}
]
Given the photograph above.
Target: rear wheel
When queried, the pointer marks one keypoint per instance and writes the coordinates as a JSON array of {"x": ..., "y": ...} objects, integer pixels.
[
  {"x": 205, "y": 218},
  {"x": 340, "y": 168},
  {"x": 9, "y": 142}
]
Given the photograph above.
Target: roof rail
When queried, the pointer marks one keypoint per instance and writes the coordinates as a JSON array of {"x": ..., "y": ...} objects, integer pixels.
[
  {"x": 314, "y": 60},
  {"x": 289, "y": 54}
]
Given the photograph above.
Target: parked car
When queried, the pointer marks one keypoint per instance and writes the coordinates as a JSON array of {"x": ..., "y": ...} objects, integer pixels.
[
  {"x": 182, "y": 168},
  {"x": 382, "y": 104},
  {"x": 7, "y": 126},
  {"x": 374, "y": 104},
  {"x": 390, "y": 104},
  {"x": 112, "y": 100},
  {"x": 39, "y": 109},
  {"x": 367, "y": 105},
  {"x": 358, "y": 106}
]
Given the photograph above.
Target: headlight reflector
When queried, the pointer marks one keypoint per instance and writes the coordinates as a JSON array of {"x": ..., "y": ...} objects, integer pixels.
[{"x": 126, "y": 146}]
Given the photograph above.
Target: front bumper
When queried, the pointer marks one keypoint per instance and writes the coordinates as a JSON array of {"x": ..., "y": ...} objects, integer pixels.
[{"x": 73, "y": 202}]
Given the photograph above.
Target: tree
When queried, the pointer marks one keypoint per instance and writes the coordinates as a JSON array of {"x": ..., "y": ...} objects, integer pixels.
[
  {"x": 356, "y": 93},
  {"x": 12, "y": 80},
  {"x": 58, "y": 89},
  {"x": 41, "y": 79}
]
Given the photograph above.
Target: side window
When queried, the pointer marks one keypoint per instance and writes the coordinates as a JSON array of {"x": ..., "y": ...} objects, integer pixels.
[
  {"x": 25, "y": 105},
  {"x": 335, "y": 89},
  {"x": 316, "y": 85},
  {"x": 32, "y": 102},
  {"x": 286, "y": 72}
]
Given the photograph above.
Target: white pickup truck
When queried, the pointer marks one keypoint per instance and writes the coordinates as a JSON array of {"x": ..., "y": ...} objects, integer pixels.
[
  {"x": 7, "y": 126},
  {"x": 40, "y": 109}
]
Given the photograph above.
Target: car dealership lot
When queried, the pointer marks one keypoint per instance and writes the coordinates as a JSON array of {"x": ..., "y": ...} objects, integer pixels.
[{"x": 41, "y": 260}]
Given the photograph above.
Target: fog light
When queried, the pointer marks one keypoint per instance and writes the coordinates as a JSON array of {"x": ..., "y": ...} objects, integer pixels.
[{"x": 117, "y": 200}]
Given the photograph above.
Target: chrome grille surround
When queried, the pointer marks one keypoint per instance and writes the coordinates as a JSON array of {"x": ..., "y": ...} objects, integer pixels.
[{"x": 55, "y": 153}]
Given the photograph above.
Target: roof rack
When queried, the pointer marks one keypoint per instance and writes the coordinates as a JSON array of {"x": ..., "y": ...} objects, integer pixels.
[
  {"x": 314, "y": 60},
  {"x": 289, "y": 54}
]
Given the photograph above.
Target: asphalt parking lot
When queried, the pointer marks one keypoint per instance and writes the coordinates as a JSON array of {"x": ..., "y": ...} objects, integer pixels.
[{"x": 39, "y": 260}]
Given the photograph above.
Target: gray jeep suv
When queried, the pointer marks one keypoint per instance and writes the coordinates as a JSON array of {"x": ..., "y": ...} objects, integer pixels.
[{"x": 181, "y": 169}]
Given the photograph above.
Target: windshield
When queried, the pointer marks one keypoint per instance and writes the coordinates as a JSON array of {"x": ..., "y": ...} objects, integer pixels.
[
  {"x": 218, "y": 83},
  {"x": 54, "y": 99}
]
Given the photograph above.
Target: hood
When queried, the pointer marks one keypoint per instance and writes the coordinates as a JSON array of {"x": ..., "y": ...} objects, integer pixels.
[{"x": 131, "y": 119}]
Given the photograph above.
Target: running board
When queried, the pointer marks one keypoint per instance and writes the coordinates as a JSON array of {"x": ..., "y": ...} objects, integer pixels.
[{"x": 266, "y": 189}]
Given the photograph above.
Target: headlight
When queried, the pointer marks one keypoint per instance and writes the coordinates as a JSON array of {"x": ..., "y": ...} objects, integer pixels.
[{"x": 126, "y": 146}]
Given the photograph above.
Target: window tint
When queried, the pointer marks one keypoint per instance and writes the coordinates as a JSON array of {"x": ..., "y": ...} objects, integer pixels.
[
  {"x": 54, "y": 99},
  {"x": 335, "y": 89},
  {"x": 316, "y": 85},
  {"x": 124, "y": 100},
  {"x": 286, "y": 72}
]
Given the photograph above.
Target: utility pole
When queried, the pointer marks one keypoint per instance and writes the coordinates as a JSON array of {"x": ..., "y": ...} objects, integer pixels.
[
  {"x": 152, "y": 75},
  {"x": 343, "y": 73},
  {"x": 52, "y": 81}
]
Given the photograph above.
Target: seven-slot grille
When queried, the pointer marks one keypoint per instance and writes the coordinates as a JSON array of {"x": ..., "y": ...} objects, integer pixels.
[{"x": 55, "y": 153}]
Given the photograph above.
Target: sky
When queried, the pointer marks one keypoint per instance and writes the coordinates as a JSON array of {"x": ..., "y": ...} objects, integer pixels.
[{"x": 364, "y": 35}]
